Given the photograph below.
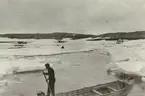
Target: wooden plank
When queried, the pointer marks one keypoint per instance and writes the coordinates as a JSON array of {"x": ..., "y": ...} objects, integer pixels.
[
  {"x": 112, "y": 88},
  {"x": 97, "y": 92}
]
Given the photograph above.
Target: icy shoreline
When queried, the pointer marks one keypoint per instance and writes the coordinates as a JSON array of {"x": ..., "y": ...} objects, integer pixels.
[
  {"x": 120, "y": 54},
  {"x": 128, "y": 57}
]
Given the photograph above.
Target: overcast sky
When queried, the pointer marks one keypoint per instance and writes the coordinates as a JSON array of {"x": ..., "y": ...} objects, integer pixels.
[{"x": 82, "y": 16}]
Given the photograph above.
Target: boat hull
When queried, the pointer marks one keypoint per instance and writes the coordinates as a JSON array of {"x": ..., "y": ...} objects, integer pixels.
[{"x": 116, "y": 88}]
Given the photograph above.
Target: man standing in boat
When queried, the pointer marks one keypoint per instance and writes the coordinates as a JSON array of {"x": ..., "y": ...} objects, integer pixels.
[{"x": 51, "y": 78}]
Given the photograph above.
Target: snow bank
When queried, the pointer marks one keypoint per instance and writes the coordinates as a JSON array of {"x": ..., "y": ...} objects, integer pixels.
[{"x": 129, "y": 57}]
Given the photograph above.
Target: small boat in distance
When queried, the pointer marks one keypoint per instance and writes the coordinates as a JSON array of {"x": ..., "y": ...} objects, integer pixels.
[{"x": 115, "y": 88}]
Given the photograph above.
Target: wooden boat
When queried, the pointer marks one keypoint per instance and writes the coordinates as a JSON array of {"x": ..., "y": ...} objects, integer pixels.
[{"x": 115, "y": 88}]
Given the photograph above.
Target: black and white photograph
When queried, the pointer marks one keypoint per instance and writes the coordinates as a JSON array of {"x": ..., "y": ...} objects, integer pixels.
[{"x": 72, "y": 47}]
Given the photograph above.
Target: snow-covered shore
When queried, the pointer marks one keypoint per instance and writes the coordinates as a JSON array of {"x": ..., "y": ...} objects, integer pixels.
[{"x": 128, "y": 57}]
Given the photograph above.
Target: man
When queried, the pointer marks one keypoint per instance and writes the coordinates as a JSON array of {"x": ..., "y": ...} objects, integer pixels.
[{"x": 51, "y": 78}]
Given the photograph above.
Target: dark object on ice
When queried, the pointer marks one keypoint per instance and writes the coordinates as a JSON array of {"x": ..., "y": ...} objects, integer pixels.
[
  {"x": 40, "y": 93},
  {"x": 109, "y": 71},
  {"x": 115, "y": 88},
  {"x": 51, "y": 78},
  {"x": 119, "y": 41},
  {"x": 22, "y": 42},
  {"x": 61, "y": 41},
  {"x": 62, "y": 47}
]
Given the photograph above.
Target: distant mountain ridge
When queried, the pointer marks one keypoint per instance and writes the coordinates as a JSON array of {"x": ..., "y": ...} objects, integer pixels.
[
  {"x": 58, "y": 36},
  {"x": 125, "y": 35},
  {"x": 54, "y": 35}
]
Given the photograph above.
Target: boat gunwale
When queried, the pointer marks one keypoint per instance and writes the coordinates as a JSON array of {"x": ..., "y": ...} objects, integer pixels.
[
  {"x": 118, "y": 89},
  {"x": 129, "y": 84}
]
